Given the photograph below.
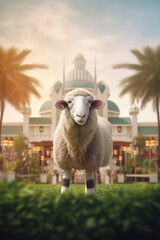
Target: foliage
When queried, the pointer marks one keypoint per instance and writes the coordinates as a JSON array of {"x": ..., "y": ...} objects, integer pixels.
[
  {"x": 1, "y": 162},
  {"x": 129, "y": 165},
  {"x": 144, "y": 164},
  {"x": 102, "y": 189},
  {"x": 29, "y": 214},
  {"x": 34, "y": 164},
  {"x": 28, "y": 165},
  {"x": 20, "y": 145},
  {"x": 139, "y": 142},
  {"x": 154, "y": 166},
  {"x": 144, "y": 84},
  {"x": 16, "y": 86}
]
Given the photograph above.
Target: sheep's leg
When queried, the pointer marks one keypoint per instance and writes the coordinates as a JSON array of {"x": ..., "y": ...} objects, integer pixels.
[
  {"x": 65, "y": 180},
  {"x": 90, "y": 182}
]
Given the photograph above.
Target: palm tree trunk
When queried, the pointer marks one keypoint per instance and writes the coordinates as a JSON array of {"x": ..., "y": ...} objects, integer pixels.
[
  {"x": 158, "y": 120},
  {"x": 1, "y": 119}
]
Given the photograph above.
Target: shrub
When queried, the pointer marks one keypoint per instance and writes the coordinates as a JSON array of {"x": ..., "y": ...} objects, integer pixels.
[{"x": 29, "y": 214}]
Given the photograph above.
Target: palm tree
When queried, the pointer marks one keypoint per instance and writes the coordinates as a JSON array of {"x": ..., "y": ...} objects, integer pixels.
[
  {"x": 139, "y": 142},
  {"x": 16, "y": 86},
  {"x": 144, "y": 84},
  {"x": 20, "y": 145}
]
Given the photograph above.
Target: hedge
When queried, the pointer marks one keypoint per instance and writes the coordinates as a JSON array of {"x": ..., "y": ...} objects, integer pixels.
[{"x": 28, "y": 214}]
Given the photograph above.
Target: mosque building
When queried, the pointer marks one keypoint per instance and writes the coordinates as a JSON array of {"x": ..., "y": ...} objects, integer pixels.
[{"x": 40, "y": 130}]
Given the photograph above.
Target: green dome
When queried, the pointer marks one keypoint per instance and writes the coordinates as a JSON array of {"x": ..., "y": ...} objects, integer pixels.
[
  {"x": 47, "y": 106},
  {"x": 79, "y": 84},
  {"x": 113, "y": 107}
]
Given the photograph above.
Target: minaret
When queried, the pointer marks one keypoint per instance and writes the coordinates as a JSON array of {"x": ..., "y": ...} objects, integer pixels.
[
  {"x": 54, "y": 112},
  {"x": 56, "y": 94},
  {"x": 133, "y": 111},
  {"x": 103, "y": 93},
  {"x": 63, "y": 85},
  {"x": 26, "y": 111},
  {"x": 95, "y": 77}
]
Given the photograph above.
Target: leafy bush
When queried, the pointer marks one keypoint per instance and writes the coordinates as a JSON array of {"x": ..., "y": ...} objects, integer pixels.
[
  {"x": 28, "y": 165},
  {"x": 29, "y": 214}
]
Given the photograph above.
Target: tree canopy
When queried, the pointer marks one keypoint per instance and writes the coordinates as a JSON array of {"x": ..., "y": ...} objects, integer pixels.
[
  {"x": 144, "y": 84},
  {"x": 16, "y": 87}
]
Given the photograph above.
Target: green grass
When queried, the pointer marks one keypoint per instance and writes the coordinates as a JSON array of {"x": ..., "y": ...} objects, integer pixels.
[{"x": 102, "y": 189}]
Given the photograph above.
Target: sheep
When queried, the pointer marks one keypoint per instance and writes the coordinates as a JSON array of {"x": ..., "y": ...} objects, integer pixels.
[{"x": 82, "y": 139}]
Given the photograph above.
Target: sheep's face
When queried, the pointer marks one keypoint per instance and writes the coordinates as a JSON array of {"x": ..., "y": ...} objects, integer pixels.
[{"x": 79, "y": 107}]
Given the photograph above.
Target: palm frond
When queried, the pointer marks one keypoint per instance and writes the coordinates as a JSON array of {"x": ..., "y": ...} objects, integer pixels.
[
  {"x": 145, "y": 100},
  {"x": 132, "y": 81},
  {"x": 139, "y": 55},
  {"x": 26, "y": 67},
  {"x": 157, "y": 51},
  {"x": 150, "y": 54},
  {"x": 11, "y": 53},
  {"x": 130, "y": 66},
  {"x": 25, "y": 80},
  {"x": 15, "y": 86},
  {"x": 19, "y": 58}
]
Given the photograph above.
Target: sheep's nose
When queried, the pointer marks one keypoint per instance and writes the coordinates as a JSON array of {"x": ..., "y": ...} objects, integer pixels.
[{"x": 81, "y": 115}]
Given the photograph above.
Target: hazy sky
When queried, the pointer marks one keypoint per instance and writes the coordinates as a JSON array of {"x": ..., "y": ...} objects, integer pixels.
[{"x": 105, "y": 29}]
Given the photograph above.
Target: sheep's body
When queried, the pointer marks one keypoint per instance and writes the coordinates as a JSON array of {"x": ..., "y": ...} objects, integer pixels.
[
  {"x": 82, "y": 147},
  {"x": 87, "y": 146}
]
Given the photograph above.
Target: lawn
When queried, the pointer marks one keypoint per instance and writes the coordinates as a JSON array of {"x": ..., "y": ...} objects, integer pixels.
[{"x": 102, "y": 189}]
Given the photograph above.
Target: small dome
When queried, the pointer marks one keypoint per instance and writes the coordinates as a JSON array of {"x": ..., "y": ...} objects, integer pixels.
[
  {"x": 46, "y": 106},
  {"x": 113, "y": 107}
]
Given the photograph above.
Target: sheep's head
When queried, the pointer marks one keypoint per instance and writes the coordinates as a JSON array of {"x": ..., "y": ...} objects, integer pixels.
[{"x": 79, "y": 104}]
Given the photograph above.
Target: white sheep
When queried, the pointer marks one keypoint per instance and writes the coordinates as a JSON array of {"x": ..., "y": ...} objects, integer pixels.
[{"x": 82, "y": 139}]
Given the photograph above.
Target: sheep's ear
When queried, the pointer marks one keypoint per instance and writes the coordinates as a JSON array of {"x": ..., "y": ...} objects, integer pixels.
[
  {"x": 97, "y": 104},
  {"x": 61, "y": 104}
]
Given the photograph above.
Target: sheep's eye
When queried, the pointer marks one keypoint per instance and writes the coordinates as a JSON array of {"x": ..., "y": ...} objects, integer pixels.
[
  {"x": 69, "y": 102},
  {"x": 89, "y": 101}
]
